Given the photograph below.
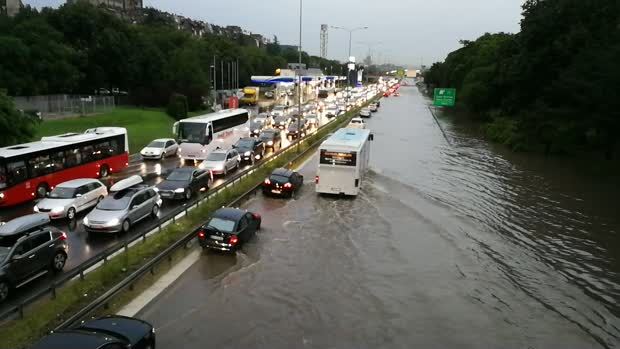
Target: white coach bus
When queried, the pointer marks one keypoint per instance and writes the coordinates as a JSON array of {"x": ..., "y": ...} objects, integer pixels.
[
  {"x": 343, "y": 161},
  {"x": 199, "y": 135}
]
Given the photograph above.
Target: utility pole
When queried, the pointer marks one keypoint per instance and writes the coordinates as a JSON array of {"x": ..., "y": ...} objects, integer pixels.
[{"x": 299, "y": 77}]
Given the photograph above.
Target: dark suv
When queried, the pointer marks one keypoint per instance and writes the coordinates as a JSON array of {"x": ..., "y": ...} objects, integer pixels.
[
  {"x": 110, "y": 332},
  {"x": 29, "y": 249},
  {"x": 271, "y": 138},
  {"x": 250, "y": 149}
]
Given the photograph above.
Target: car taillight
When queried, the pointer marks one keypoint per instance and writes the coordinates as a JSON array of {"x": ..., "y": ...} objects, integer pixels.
[
  {"x": 201, "y": 234},
  {"x": 256, "y": 216},
  {"x": 316, "y": 179},
  {"x": 267, "y": 181},
  {"x": 233, "y": 239},
  {"x": 63, "y": 236},
  {"x": 288, "y": 185}
]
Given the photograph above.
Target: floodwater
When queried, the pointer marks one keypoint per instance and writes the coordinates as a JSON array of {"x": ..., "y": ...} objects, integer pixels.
[{"x": 452, "y": 243}]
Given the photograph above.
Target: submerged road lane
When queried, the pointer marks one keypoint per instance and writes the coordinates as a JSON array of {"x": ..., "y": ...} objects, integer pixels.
[{"x": 428, "y": 256}]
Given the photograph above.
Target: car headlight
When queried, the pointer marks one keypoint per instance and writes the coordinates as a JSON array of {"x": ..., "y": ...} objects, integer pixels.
[
  {"x": 85, "y": 220},
  {"x": 1, "y": 196},
  {"x": 113, "y": 221},
  {"x": 270, "y": 143},
  {"x": 156, "y": 189},
  {"x": 179, "y": 190},
  {"x": 58, "y": 210},
  {"x": 204, "y": 151},
  {"x": 247, "y": 153},
  {"x": 36, "y": 208}
]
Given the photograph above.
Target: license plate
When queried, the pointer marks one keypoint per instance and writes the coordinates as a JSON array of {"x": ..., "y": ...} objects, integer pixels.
[
  {"x": 218, "y": 238},
  {"x": 336, "y": 189},
  {"x": 165, "y": 195},
  {"x": 96, "y": 226},
  {"x": 276, "y": 191}
]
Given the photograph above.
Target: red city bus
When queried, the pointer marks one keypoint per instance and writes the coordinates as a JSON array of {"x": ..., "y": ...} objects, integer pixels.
[{"x": 31, "y": 170}]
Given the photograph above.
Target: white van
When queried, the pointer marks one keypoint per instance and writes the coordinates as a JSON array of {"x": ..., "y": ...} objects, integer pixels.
[{"x": 357, "y": 123}]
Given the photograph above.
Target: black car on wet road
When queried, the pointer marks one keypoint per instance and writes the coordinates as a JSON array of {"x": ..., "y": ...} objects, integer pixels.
[
  {"x": 250, "y": 149},
  {"x": 228, "y": 229},
  {"x": 282, "y": 182},
  {"x": 271, "y": 138},
  {"x": 111, "y": 332},
  {"x": 183, "y": 183}
]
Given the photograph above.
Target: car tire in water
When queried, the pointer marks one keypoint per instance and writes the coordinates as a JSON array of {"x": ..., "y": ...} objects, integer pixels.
[
  {"x": 126, "y": 226},
  {"x": 42, "y": 190},
  {"x": 104, "y": 171},
  {"x": 4, "y": 290},
  {"x": 58, "y": 263},
  {"x": 71, "y": 213}
]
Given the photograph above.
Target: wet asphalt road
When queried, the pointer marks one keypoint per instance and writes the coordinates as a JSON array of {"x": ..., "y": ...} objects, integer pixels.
[
  {"x": 452, "y": 243},
  {"x": 81, "y": 247}
]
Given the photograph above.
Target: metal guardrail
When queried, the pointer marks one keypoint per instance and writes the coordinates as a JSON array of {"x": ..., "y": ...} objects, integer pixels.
[
  {"x": 104, "y": 299},
  {"x": 154, "y": 226}
]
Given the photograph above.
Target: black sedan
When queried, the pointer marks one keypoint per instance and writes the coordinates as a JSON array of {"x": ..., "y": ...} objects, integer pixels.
[
  {"x": 282, "y": 182},
  {"x": 297, "y": 129},
  {"x": 250, "y": 149},
  {"x": 107, "y": 332},
  {"x": 256, "y": 127},
  {"x": 281, "y": 121},
  {"x": 271, "y": 138},
  {"x": 228, "y": 229},
  {"x": 183, "y": 182}
]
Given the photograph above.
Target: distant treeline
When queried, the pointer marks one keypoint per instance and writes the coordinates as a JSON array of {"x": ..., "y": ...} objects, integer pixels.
[
  {"x": 80, "y": 48},
  {"x": 554, "y": 86}
]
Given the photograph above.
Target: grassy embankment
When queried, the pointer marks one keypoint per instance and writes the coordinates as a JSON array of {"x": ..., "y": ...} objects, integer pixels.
[
  {"x": 143, "y": 125},
  {"x": 44, "y": 315}
]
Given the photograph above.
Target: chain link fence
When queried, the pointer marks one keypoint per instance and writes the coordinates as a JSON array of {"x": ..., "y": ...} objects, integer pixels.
[{"x": 62, "y": 106}]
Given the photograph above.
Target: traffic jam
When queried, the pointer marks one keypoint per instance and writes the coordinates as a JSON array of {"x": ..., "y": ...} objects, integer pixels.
[{"x": 65, "y": 198}]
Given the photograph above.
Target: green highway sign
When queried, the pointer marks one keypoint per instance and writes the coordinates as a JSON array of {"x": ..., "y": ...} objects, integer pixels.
[{"x": 444, "y": 97}]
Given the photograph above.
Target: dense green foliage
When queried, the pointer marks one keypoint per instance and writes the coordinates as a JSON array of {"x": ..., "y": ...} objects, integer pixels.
[
  {"x": 177, "y": 106},
  {"x": 16, "y": 126},
  {"x": 80, "y": 48},
  {"x": 552, "y": 85}
]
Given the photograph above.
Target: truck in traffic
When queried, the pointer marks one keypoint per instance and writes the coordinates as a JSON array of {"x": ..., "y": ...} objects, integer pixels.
[{"x": 250, "y": 96}]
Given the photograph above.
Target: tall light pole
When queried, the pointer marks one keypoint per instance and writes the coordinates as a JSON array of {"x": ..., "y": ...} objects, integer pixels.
[
  {"x": 350, "y": 30},
  {"x": 299, "y": 77}
]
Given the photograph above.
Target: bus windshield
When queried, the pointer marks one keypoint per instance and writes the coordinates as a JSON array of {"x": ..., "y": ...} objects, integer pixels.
[
  {"x": 2, "y": 176},
  {"x": 192, "y": 132}
]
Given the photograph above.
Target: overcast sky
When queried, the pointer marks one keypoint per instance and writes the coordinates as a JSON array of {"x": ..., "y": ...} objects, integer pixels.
[{"x": 400, "y": 31}]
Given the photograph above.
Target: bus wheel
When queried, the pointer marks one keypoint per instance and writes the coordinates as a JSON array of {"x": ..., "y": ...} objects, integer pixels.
[
  {"x": 104, "y": 171},
  {"x": 42, "y": 190}
]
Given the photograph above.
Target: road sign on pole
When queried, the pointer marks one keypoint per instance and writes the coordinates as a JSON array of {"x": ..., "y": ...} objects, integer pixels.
[{"x": 444, "y": 97}]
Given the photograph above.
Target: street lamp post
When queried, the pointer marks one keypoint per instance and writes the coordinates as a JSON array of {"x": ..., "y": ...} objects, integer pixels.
[
  {"x": 350, "y": 30},
  {"x": 299, "y": 77}
]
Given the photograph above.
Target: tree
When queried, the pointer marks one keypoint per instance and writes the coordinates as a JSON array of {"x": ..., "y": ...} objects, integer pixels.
[{"x": 15, "y": 126}]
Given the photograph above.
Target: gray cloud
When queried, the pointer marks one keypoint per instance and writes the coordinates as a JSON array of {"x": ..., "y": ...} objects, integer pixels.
[{"x": 401, "y": 31}]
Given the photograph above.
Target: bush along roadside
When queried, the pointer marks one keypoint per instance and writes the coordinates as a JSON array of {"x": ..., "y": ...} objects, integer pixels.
[{"x": 47, "y": 314}]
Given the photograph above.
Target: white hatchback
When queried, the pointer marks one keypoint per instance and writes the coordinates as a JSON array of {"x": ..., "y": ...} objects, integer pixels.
[
  {"x": 357, "y": 123},
  {"x": 69, "y": 198},
  {"x": 160, "y": 148}
]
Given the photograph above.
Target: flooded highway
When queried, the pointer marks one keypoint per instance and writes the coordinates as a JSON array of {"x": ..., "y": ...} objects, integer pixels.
[{"x": 452, "y": 242}]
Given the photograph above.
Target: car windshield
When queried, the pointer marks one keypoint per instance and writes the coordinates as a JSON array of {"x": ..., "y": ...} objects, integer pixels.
[
  {"x": 245, "y": 143},
  {"x": 156, "y": 144},
  {"x": 116, "y": 202},
  {"x": 216, "y": 157},
  {"x": 62, "y": 193},
  {"x": 266, "y": 136},
  {"x": 278, "y": 178},
  {"x": 281, "y": 118},
  {"x": 256, "y": 124},
  {"x": 179, "y": 176},
  {"x": 223, "y": 225}
]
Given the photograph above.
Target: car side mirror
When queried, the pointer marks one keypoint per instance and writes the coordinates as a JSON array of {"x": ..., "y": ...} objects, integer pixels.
[
  {"x": 78, "y": 195},
  {"x": 371, "y": 137},
  {"x": 16, "y": 257},
  {"x": 134, "y": 207}
]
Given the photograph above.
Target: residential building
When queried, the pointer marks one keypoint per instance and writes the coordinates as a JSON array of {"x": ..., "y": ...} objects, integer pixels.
[{"x": 10, "y": 7}]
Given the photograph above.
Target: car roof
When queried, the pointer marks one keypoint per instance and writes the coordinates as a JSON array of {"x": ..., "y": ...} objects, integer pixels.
[
  {"x": 282, "y": 172},
  {"x": 73, "y": 339},
  {"x": 129, "y": 329},
  {"x": 229, "y": 213},
  {"x": 24, "y": 223},
  {"x": 184, "y": 169},
  {"x": 76, "y": 183}
]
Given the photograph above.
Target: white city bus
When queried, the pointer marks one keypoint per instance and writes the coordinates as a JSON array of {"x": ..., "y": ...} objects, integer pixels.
[
  {"x": 343, "y": 161},
  {"x": 200, "y": 135}
]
